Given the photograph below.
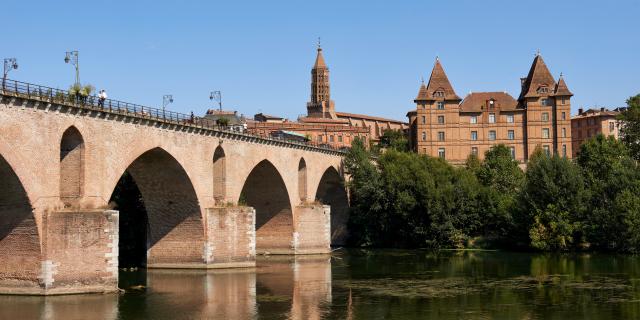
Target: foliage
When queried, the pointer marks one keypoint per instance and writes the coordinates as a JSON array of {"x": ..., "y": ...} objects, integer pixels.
[
  {"x": 401, "y": 199},
  {"x": 77, "y": 90},
  {"x": 222, "y": 121},
  {"x": 630, "y": 128},
  {"x": 394, "y": 139}
]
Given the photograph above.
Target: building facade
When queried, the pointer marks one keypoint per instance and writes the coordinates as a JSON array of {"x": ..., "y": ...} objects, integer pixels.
[
  {"x": 592, "y": 122},
  {"x": 322, "y": 124},
  {"x": 444, "y": 125}
]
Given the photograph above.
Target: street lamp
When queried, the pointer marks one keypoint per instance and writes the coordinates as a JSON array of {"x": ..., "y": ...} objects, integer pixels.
[
  {"x": 216, "y": 95},
  {"x": 166, "y": 99},
  {"x": 72, "y": 57},
  {"x": 9, "y": 64}
]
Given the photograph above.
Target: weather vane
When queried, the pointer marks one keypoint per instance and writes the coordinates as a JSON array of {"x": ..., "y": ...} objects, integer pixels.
[{"x": 319, "y": 43}]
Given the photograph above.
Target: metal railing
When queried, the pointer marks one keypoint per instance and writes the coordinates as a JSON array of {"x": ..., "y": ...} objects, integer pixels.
[{"x": 92, "y": 102}]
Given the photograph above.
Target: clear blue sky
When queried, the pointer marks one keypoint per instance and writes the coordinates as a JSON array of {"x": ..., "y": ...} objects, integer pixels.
[{"x": 259, "y": 54}]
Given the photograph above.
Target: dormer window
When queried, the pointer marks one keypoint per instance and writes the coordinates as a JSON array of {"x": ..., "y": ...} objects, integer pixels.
[
  {"x": 438, "y": 94},
  {"x": 492, "y": 103},
  {"x": 543, "y": 90}
]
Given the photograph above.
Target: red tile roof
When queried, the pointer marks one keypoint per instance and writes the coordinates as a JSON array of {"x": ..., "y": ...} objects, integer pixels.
[
  {"x": 538, "y": 77},
  {"x": 438, "y": 82},
  {"x": 477, "y": 101}
]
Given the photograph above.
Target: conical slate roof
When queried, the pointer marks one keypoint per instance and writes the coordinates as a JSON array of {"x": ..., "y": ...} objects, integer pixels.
[
  {"x": 438, "y": 82},
  {"x": 319, "y": 60},
  {"x": 539, "y": 76},
  {"x": 561, "y": 88}
]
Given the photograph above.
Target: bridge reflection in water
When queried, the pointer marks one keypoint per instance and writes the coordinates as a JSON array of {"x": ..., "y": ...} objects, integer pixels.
[{"x": 294, "y": 286}]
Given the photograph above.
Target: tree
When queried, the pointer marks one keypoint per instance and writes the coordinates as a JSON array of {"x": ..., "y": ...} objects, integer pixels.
[
  {"x": 394, "y": 139},
  {"x": 630, "y": 128},
  {"x": 552, "y": 202},
  {"x": 500, "y": 171}
]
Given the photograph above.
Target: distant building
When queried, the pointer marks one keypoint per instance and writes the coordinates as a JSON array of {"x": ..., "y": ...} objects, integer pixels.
[
  {"x": 444, "y": 125},
  {"x": 592, "y": 122},
  {"x": 235, "y": 122},
  {"x": 261, "y": 117},
  {"x": 322, "y": 124}
]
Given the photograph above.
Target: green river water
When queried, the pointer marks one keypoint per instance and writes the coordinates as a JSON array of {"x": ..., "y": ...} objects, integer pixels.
[{"x": 367, "y": 284}]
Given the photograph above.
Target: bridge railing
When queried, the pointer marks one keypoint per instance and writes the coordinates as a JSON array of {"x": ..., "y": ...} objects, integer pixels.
[{"x": 64, "y": 97}]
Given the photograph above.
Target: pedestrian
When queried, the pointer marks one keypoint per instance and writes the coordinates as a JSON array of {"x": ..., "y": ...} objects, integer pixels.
[{"x": 101, "y": 98}]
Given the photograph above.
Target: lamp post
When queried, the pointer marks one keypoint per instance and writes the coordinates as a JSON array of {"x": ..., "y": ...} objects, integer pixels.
[
  {"x": 72, "y": 57},
  {"x": 217, "y": 96},
  {"x": 166, "y": 100},
  {"x": 9, "y": 64}
]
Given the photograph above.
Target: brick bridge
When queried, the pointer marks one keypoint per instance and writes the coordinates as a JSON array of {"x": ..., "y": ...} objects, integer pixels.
[{"x": 214, "y": 198}]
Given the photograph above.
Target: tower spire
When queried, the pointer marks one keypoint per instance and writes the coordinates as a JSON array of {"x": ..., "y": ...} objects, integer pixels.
[{"x": 320, "y": 104}]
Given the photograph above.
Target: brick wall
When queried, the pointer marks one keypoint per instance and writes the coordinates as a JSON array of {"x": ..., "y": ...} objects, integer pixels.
[
  {"x": 312, "y": 229},
  {"x": 331, "y": 191},
  {"x": 80, "y": 252},
  {"x": 231, "y": 236},
  {"x": 176, "y": 231},
  {"x": 19, "y": 240}
]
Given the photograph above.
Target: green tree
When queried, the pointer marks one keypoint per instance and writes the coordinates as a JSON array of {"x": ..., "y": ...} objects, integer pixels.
[
  {"x": 500, "y": 171},
  {"x": 552, "y": 202},
  {"x": 630, "y": 128},
  {"x": 394, "y": 139}
]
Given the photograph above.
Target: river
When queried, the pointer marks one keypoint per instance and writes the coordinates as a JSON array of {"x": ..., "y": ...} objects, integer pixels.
[{"x": 367, "y": 284}]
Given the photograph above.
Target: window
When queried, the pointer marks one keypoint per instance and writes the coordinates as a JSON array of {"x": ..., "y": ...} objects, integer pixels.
[
  {"x": 320, "y": 138},
  {"x": 474, "y": 119},
  {"x": 513, "y": 152},
  {"x": 564, "y": 116},
  {"x": 492, "y": 118},
  {"x": 492, "y": 135},
  {"x": 563, "y": 101},
  {"x": 474, "y": 151},
  {"x": 547, "y": 151},
  {"x": 339, "y": 138},
  {"x": 511, "y": 135},
  {"x": 440, "y": 135},
  {"x": 564, "y": 150},
  {"x": 424, "y": 119},
  {"x": 544, "y": 102},
  {"x": 424, "y": 136},
  {"x": 474, "y": 135},
  {"x": 424, "y": 150},
  {"x": 545, "y": 116},
  {"x": 441, "y": 153},
  {"x": 564, "y": 132},
  {"x": 611, "y": 126},
  {"x": 440, "y": 105},
  {"x": 510, "y": 118},
  {"x": 543, "y": 89},
  {"x": 441, "y": 119},
  {"x": 545, "y": 133},
  {"x": 331, "y": 138},
  {"x": 438, "y": 94}
]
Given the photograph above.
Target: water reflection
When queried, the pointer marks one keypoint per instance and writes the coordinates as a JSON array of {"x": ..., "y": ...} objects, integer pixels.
[{"x": 367, "y": 284}]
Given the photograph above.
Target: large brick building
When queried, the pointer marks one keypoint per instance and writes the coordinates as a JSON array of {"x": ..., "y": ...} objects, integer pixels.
[
  {"x": 592, "y": 122},
  {"x": 323, "y": 124},
  {"x": 452, "y": 128}
]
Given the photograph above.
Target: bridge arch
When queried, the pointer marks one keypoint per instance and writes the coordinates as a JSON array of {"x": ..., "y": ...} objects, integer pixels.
[
  {"x": 167, "y": 222},
  {"x": 219, "y": 175},
  {"x": 72, "y": 157},
  {"x": 20, "y": 251},
  {"x": 264, "y": 189},
  {"x": 332, "y": 191},
  {"x": 302, "y": 180}
]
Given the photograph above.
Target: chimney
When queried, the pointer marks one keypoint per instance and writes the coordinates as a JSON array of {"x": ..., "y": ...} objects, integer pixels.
[
  {"x": 522, "y": 80},
  {"x": 602, "y": 109},
  {"x": 580, "y": 111}
]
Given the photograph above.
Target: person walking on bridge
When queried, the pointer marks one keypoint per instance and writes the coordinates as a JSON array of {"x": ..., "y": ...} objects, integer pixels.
[{"x": 101, "y": 98}]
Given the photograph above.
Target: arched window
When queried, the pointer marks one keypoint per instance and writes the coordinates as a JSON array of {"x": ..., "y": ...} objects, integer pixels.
[
  {"x": 219, "y": 175},
  {"x": 302, "y": 180},
  {"x": 71, "y": 166}
]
